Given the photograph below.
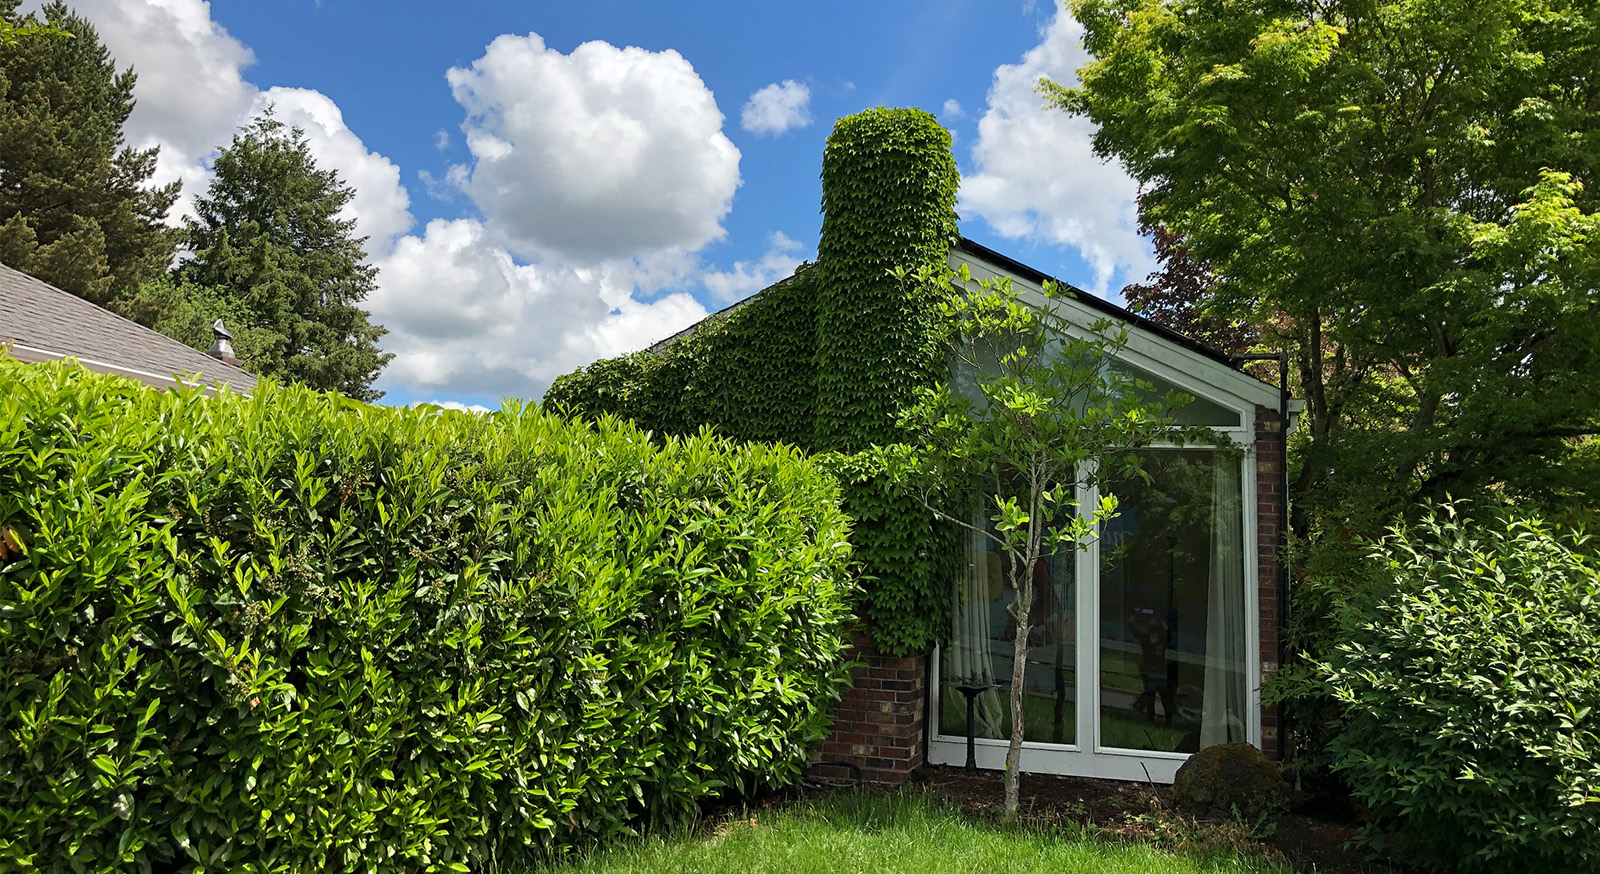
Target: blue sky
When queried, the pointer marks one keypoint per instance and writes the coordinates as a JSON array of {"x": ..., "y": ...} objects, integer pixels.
[{"x": 549, "y": 183}]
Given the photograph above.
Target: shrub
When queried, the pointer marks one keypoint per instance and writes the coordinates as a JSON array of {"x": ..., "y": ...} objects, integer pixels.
[
  {"x": 292, "y": 632},
  {"x": 1471, "y": 696}
]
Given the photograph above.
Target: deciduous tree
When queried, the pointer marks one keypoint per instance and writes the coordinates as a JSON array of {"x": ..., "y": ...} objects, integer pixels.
[{"x": 1407, "y": 190}]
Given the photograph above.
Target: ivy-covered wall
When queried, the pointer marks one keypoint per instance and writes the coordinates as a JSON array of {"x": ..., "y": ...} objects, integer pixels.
[
  {"x": 748, "y": 372},
  {"x": 828, "y": 358}
]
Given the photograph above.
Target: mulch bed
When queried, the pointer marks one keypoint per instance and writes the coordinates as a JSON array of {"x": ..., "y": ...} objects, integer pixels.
[{"x": 1145, "y": 812}]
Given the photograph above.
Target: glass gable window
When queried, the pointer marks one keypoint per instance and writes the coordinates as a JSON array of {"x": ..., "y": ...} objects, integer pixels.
[
  {"x": 1143, "y": 644},
  {"x": 1200, "y": 411}
]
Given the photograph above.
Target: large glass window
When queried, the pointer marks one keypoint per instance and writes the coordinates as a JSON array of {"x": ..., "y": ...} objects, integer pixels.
[
  {"x": 981, "y": 652},
  {"x": 1173, "y": 639}
]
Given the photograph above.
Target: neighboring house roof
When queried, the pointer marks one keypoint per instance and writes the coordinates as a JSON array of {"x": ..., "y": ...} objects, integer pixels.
[{"x": 43, "y": 323}]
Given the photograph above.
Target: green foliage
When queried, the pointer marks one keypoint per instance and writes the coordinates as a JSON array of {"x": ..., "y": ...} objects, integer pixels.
[
  {"x": 270, "y": 237},
  {"x": 747, "y": 370},
  {"x": 889, "y": 185},
  {"x": 75, "y": 209},
  {"x": 830, "y": 358},
  {"x": 11, "y": 32},
  {"x": 1471, "y": 695},
  {"x": 185, "y": 312},
  {"x": 293, "y": 632},
  {"x": 907, "y": 558},
  {"x": 1406, "y": 193}
]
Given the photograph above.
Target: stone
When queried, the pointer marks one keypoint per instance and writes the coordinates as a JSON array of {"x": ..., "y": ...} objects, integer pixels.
[{"x": 1221, "y": 778}]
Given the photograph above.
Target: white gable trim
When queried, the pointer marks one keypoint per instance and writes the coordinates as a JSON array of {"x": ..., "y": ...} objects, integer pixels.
[{"x": 1197, "y": 374}]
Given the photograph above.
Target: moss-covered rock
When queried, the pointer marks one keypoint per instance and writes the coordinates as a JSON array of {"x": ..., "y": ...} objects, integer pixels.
[{"x": 1220, "y": 778}]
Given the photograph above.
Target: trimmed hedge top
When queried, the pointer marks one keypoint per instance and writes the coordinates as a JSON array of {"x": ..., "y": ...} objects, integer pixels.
[{"x": 292, "y": 632}]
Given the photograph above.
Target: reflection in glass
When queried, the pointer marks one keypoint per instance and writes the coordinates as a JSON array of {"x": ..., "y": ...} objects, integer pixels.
[
  {"x": 1198, "y": 411},
  {"x": 982, "y": 646},
  {"x": 1172, "y": 612}
]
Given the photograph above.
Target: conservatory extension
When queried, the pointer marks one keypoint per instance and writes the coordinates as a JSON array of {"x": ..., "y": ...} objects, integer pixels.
[{"x": 1151, "y": 643}]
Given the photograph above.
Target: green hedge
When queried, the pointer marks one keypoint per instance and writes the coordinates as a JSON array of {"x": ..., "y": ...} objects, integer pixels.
[
  {"x": 293, "y": 632},
  {"x": 1471, "y": 696}
]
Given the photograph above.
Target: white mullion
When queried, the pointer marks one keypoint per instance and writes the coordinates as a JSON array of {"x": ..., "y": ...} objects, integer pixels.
[{"x": 1087, "y": 693}]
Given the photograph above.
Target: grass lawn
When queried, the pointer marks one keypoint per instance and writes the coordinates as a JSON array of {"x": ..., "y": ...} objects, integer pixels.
[{"x": 900, "y": 833}]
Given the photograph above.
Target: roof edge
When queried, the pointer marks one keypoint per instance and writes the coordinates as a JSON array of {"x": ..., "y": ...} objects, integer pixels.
[{"x": 1094, "y": 301}]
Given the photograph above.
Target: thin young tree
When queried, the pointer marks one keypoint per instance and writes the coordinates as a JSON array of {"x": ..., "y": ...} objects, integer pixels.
[{"x": 1036, "y": 409}]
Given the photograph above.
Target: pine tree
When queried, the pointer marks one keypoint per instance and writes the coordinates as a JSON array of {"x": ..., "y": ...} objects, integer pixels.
[
  {"x": 75, "y": 206},
  {"x": 270, "y": 236}
]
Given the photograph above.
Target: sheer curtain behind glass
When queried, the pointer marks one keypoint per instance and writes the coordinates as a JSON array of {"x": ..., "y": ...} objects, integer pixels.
[
  {"x": 1226, "y": 699},
  {"x": 969, "y": 659}
]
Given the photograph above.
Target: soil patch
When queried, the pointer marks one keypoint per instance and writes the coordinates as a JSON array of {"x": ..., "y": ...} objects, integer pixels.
[{"x": 1145, "y": 812}]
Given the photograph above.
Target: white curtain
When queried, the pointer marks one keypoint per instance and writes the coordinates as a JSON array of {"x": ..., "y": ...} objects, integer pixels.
[
  {"x": 971, "y": 660},
  {"x": 1226, "y": 699}
]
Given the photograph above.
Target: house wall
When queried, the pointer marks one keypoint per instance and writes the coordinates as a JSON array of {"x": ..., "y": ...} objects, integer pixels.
[
  {"x": 881, "y": 725},
  {"x": 1269, "y": 506}
]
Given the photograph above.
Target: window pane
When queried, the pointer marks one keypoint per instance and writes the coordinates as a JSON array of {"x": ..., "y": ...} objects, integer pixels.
[
  {"x": 982, "y": 646},
  {"x": 1172, "y": 615},
  {"x": 1200, "y": 411}
]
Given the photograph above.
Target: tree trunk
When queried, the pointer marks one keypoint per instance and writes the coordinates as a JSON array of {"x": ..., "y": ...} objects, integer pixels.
[
  {"x": 1019, "y": 668},
  {"x": 1021, "y": 610}
]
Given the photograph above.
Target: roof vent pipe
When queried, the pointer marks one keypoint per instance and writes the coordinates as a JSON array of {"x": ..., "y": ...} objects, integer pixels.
[{"x": 222, "y": 344}]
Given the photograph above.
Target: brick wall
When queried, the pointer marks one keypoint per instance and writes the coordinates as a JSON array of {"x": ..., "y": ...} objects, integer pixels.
[
  {"x": 879, "y": 726},
  {"x": 1269, "y": 485}
]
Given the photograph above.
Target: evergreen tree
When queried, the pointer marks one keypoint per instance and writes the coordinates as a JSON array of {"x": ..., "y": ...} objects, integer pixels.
[
  {"x": 75, "y": 207},
  {"x": 270, "y": 236}
]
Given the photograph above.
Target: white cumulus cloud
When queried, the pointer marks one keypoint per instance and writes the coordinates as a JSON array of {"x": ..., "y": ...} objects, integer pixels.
[
  {"x": 599, "y": 176},
  {"x": 381, "y": 206},
  {"x": 776, "y": 108},
  {"x": 747, "y": 277},
  {"x": 465, "y": 316},
  {"x": 1037, "y": 177},
  {"x": 191, "y": 93},
  {"x": 605, "y": 152}
]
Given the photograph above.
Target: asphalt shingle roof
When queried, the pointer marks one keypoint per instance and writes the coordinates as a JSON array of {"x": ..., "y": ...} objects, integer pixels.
[{"x": 39, "y": 315}]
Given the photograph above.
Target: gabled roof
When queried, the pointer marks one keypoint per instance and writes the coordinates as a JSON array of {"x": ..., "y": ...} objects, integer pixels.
[
  {"x": 43, "y": 323},
  {"x": 1023, "y": 271},
  {"x": 1099, "y": 304}
]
